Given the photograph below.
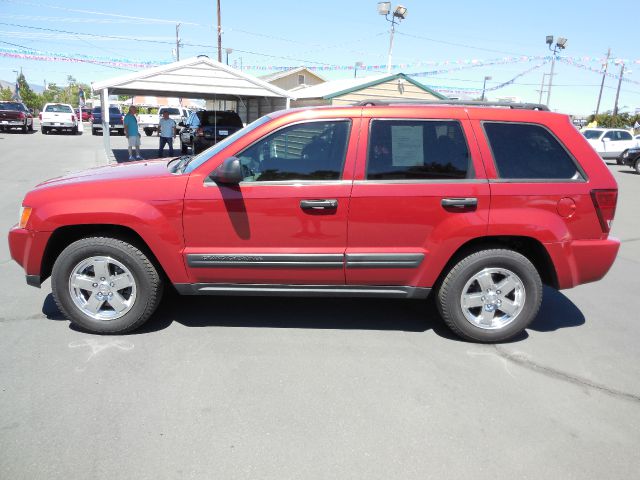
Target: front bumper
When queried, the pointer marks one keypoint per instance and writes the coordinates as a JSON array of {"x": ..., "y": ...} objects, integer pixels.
[
  {"x": 582, "y": 261},
  {"x": 630, "y": 159},
  {"x": 27, "y": 249}
]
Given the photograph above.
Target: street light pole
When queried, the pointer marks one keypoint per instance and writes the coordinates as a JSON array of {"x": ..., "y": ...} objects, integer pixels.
[
  {"x": 219, "y": 35},
  {"x": 604, "y": 75},
  {"x": 544, "y": 75},
  {"x": 399, "y": 13},
  {"x": 228, "y": 51},
  {"x": 559, "y": 45},
  {"x": 355, "y": 68},
  {"x": 484, "y": 87},
  {"x": 177, "y": 42},
  {"x": 615, "y": 105}
]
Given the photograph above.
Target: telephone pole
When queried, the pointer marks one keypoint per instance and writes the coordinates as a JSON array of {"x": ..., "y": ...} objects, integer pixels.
[
  {"x": 177, "y": 42},
  {"x": 604, "y": 75},
  {"x": 615, "y": 106},
  {"x": 219, "y": 35}
]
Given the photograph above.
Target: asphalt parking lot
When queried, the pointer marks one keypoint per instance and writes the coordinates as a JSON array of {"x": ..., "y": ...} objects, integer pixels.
[{"x": 303, "y": 388}]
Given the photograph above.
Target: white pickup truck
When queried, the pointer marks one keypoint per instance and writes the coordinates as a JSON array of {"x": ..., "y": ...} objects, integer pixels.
[
  {"x": 58, "y": 116},
  {"x": 149, "y": 121}
]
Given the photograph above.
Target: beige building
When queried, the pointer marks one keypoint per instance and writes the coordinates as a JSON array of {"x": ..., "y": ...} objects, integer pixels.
[
  {"x": 294, "y": 78},
  {"x": 348, "y": 91}
]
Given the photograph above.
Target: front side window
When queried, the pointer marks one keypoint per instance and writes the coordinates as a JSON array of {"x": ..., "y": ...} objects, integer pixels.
[
  {"x": 625, "y": 135},
  {"x": 529, "y": 151},
  {"x": 305, "y": 151},
  {"x": 416, "y": 150},
  {"x": 592, "y": 134}
]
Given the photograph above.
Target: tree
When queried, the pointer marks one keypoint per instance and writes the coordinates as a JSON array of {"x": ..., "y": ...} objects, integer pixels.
[
  {"x": 623, "y": 120},
  {"x": 6, "y": 94},
  {"x": 30, "y": 98}
]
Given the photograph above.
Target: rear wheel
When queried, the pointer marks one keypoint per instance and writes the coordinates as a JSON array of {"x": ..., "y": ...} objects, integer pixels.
[
  {"x": 74, "y": 131},
  {"x": 44, "y": 130},
  {"x": 105, "y": 285},
  {"x": 94, "y": 131},
  {"x": 183, "y": 148},
  {"x": 25, "y": 128},
  {"x": 490, "y": 295},
  {"x": 636, "y": 166},
  {"x": 148, "y": 132}
]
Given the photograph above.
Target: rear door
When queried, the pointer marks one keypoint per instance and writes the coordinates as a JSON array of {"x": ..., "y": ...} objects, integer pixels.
[{"x": 420, "y": 192}]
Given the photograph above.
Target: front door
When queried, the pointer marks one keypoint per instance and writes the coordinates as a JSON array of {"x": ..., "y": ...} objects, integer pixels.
[{"x": 286, "y": 222}]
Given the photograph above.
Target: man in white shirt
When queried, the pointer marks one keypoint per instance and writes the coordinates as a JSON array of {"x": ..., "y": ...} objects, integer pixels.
[{"x": 167, "y": 129}]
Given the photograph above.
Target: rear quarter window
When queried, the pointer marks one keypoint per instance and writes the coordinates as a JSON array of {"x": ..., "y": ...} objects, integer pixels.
[{"x": 526, "y": 151}]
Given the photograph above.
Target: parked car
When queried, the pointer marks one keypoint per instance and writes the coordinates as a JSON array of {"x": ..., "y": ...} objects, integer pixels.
[
  {"x": 116, "y": 120},
  {"x": 479, "y": 205},
  {"x": 15, "y": 115},
  {"x": 631, "y": 157},
  {"x": 610, "y": 142},
  {"x": 58, "y": 117},
  {"x": 86, "y": 114},
  {"x": 207, "y": 127}
]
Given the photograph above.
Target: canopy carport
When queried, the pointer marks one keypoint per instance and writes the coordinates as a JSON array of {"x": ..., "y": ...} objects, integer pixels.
[{"x": 197, "y": 77}]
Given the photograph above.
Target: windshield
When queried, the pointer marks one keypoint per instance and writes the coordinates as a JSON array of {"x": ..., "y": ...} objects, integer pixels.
[
  {"x": 592, "y": 134},
  {"x": 230, "y": 119},
  {"x": 218, "y": 147},
  {"x": 12, "y": 106},
  {"x": 59, "y": 108}
]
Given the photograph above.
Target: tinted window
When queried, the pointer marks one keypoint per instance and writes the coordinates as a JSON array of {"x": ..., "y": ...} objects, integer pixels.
[
  {"x": 414, "y": 150},
  {"x": 172, "y": 111},
  {"x": 230, "y": 119},
  {"x": 17, "y": 107},
  {"x": 610, "y": 135},
  {"x": 307, "y": 151},
  {"x": 59, "y": 108},
  {"x": 528, "y": 151},
  {"x": 114, "y": 111},
  {"x": 625, "y": 136},
  {"x": 592, "y": 134}
]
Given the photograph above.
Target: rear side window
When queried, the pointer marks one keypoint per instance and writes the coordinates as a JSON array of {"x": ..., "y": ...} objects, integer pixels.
[
  {"x": 592, "y": 134},
  {"x": 416, "y": 150},
  {"x": 529, "y": 151}
]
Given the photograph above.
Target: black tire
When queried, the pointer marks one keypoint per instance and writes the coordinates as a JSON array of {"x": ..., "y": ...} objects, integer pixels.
[
  {"x": 449, "y": 300},
  {"x": 31, "y": 127},
  {"x": 636, "y": 166},
  {"x": 619, "y": 158},
  {"x": 74, "y": 131},
  {"x": 44, "y": 130},
  {"x": 148, "y": 132},
  {"x": 147, "y": 281},
  {"x": 25, "y": 128},
  {"x": 94, "y": 131},
  {"x": 183, "y": 148}
]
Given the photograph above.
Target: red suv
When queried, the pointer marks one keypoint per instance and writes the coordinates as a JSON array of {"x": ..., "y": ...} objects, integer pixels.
[{"x": 481, "y": 204}]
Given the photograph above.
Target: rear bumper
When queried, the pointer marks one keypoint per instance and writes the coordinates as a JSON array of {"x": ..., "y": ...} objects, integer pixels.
[
  {"x": 13, "y": 123},
  {"x": 582, "y": 261},
  {"x": 59, "y": 124},
  {"x": 27, "y": 249}
]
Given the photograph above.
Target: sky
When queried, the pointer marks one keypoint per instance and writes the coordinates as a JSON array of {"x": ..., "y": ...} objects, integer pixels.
[{"x": 450, "y": 46}]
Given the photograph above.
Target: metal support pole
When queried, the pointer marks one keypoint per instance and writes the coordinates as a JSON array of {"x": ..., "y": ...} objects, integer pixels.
[
  {"x": 553, "y": 64},
  {"x": 392, "y": 31},
  {"x": 484, "y": 86},
  {"x": 177, "y": 42},
  {"x": 615, "y": 106},
  {"x": 544, "y": 75},
  {"x": 604, "y": 75},
  {"x": 104, "y": 105},
  {"x": 219, "y": 35}
]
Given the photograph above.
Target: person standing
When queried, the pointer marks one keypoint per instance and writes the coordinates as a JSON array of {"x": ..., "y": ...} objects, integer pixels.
[
  {"x": 167, "y": 130},
  {"x": 132, "y": 133}
]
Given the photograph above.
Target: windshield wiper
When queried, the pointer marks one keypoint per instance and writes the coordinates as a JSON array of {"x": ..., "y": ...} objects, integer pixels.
[{"x": 180, "y": 163}]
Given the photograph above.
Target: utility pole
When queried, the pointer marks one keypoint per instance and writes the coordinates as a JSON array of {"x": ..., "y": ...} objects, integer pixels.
[
  {"x": 544, "y": 75},
  {"x": 615, "y": 105},
  {"x": 219, "y": 36},
  {"x": 604, "y": 75},
  {"x": 177, "y": 42}
]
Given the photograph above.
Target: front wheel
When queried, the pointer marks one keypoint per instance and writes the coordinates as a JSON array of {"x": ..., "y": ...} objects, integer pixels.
[
  {"x": 105, "y": 285},
  {"x": 636, "y": 166},
  {"x": 490, "y": 295}
]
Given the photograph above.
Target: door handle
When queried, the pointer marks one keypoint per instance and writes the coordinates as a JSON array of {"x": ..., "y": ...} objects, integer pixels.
[
  {"x": 319, "y": 204},
  {"x": 459, "y": 202}
]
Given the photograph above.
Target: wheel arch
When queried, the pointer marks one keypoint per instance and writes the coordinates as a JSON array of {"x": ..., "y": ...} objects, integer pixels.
[
  {"x": 531, "y": 248},
  {"x": 64, "y": 236}
]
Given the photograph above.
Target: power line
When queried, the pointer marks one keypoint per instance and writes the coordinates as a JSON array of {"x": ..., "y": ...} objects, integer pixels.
[{"x": 445, "y": 42}]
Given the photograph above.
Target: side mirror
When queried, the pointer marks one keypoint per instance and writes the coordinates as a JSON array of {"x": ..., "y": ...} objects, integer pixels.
[
  {"x": 606, "y": 140},
  {"x": 230, "y": 172}
]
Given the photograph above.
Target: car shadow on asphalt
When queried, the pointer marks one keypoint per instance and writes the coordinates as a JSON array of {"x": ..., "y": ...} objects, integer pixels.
[
  {"x": 556, "y": 312},
  {"x": 122, "y": 154}
]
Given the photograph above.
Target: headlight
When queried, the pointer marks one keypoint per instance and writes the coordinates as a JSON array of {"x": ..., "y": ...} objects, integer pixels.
[{"x": 23, "y": 218}]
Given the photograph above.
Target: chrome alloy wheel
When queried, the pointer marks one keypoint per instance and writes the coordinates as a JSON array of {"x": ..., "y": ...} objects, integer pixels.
[
  {"x": 102, "y": 288},
  {"x": 492, "y": 298}
]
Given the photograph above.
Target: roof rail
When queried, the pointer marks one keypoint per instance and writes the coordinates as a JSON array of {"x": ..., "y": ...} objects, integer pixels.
[{"x": 470, "y": 103}]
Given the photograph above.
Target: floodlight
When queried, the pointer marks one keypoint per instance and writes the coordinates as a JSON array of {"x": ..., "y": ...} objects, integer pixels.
[
  {"x": 561, "y": 42},
  {"x": 384, "y": 8},
  {"x": 549, "y": 39},
  {"x": 400, "y": 12}
]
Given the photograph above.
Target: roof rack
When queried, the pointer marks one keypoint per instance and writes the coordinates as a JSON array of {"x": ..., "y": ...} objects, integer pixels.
[{"x": 470, "y": 103}]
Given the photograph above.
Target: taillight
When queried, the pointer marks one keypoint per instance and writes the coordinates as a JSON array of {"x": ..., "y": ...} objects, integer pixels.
[
  {"x": 21, "y": 115},
  {"x": 200, "y": 132},
  {"x": 605, "y": 203}
]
